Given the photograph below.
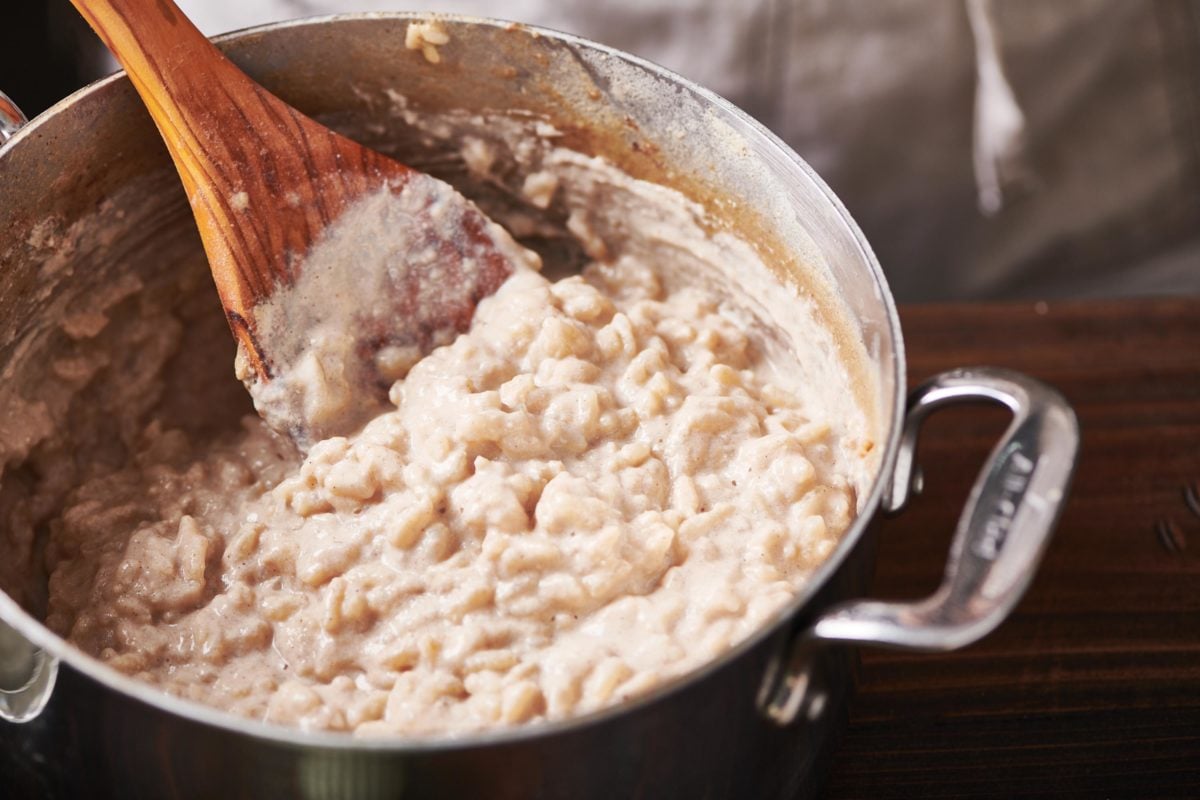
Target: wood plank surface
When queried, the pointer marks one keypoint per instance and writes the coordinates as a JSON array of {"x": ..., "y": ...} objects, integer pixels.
[{"x": 1092, "y": 687}]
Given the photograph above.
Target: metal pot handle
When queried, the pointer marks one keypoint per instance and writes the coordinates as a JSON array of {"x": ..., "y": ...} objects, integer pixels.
[
  {"x": 1001, "y": 536},
  {"x": 27, "y": 676},
  {"x": 11, "y": 118},
  {"x": 27, "y": 673}
]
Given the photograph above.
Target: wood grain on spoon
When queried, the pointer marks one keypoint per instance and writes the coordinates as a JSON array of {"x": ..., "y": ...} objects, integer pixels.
[{"x": 264, "y": 181}]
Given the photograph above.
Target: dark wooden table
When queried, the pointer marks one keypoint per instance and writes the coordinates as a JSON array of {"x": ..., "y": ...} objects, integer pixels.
[{"x": 1092, "y": 687}]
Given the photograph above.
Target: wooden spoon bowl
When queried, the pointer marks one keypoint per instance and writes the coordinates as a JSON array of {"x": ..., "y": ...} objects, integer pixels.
[{"x": 265, "y": 182}]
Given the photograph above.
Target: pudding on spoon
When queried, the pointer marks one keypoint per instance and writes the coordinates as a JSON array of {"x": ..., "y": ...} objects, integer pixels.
[{"x": 270, "y": 188}]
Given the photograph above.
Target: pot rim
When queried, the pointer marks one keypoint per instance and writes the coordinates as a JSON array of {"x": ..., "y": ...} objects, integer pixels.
[{"x": 37, "y": 633}]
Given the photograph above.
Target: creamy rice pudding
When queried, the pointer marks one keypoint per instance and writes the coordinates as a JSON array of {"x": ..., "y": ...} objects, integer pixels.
[{"x": 607, "y": 481}]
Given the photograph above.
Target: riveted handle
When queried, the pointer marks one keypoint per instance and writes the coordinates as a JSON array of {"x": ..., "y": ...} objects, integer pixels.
[
  {"x": 11, "y": 118},
  {"x": 27, "y": 676},
  {"x": 1000, "y": 539}
]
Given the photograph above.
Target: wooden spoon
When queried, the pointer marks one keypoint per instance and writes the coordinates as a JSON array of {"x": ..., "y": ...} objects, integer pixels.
[{"x": 264, "y": 181}]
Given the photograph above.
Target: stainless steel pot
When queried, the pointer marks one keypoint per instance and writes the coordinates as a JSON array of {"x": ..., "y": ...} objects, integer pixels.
[{"x": 757, "y": 722}]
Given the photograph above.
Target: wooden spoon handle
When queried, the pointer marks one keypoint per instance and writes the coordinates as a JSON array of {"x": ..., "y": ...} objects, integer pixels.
[{"x": 263, "y": 179}]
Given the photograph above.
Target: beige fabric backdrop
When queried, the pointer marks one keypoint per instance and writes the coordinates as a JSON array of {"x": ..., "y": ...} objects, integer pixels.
[{"x": 878, "y": 95}]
